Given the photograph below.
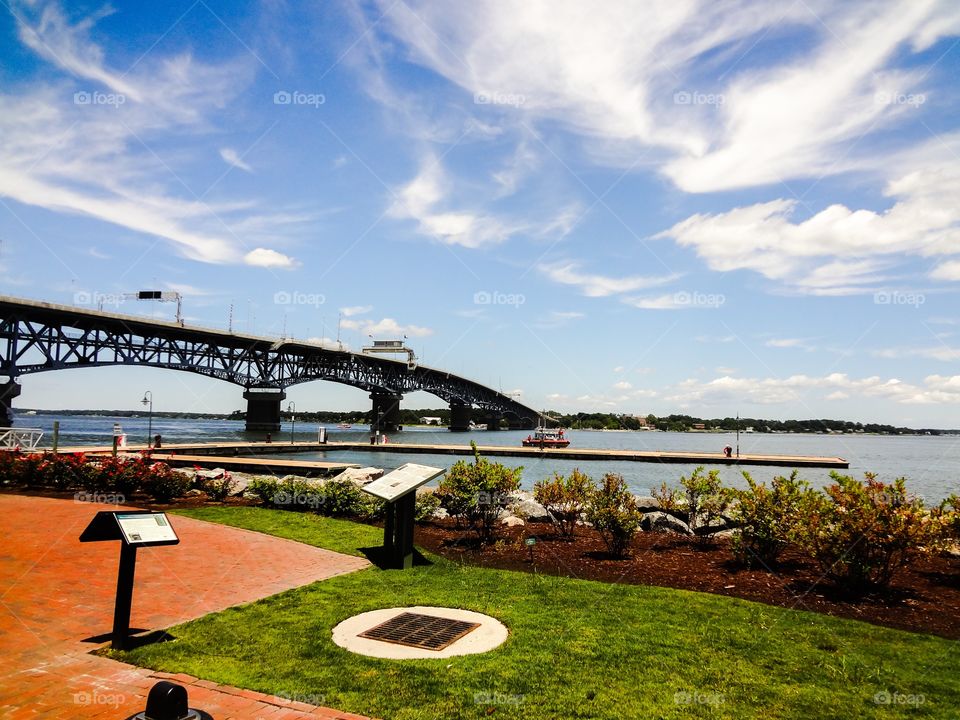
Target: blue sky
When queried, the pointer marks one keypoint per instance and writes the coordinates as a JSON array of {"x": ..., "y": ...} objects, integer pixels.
[{"x": 658, "y": 207}]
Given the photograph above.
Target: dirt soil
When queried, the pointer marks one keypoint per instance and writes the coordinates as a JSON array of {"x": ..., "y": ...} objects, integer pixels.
[{"x": 924, "y": 597}]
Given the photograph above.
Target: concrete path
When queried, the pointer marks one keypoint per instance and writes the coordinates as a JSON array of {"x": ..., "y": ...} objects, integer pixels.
[{"x": 55, "y": 593}]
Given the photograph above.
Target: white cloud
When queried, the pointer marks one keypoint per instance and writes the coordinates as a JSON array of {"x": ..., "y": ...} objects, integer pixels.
[
  {"x": 592, "y": 285},
  {"x": 613, "y": 73},
  {"x": 386, "y": 328},
  {"x": 264, "y": 257},
  {"x": 352, "y": 310},
  {"x": 622, "y": 385},
  {"x": 943, "y": 353},
  {"x": 790, "y": 343},
  {"x": 87, "y": 139},
  {"x": 723, "y": 391},
  {"x": 838, "y": 250},
  {"x": 947, "y": 270},
  {"x": 670, "y": 301},
  {"x": 231, "y": 157}
]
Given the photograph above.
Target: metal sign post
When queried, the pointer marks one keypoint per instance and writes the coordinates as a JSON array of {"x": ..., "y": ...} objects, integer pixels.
[{"x": 134, "y": 528}]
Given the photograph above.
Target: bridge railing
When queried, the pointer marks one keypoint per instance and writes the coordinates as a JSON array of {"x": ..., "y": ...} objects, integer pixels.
[{"x": 20, "y": 438}]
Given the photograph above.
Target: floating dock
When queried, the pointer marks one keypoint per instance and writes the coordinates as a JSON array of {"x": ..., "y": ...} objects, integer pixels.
[
  {"x": 224, "y": 450},
  {"x": 274, "y": 466}
]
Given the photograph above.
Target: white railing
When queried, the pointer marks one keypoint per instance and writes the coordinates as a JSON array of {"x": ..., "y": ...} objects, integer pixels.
[{"x": 20, "y": 438}]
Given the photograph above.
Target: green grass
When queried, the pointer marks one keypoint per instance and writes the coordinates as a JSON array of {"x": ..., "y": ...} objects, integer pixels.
[{"x": 577, "y": 649}]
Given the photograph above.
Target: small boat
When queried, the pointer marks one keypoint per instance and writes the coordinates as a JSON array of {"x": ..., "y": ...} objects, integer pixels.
[
  {"x": 546, "y": 438},
  {"x": 344, "y": 426}
]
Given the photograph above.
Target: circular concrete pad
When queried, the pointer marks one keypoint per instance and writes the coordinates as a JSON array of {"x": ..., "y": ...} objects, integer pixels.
[{"x": 489, "y": 635}]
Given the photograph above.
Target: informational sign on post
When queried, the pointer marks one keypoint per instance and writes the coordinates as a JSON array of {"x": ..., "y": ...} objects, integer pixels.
[{"x": 146, "y": 528}]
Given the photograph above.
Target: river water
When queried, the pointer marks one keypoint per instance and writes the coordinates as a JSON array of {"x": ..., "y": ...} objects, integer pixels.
[{"x": 931, "y": 464}]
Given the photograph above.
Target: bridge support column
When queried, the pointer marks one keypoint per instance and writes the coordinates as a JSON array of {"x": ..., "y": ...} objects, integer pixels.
[
  {"x": 263, "y": 409},
  {"x": 8, "y": 391},
  {"x": 385, "y": 415},
  {"x": 459, "y": 416},
  {"x": 521, "y": 423}
]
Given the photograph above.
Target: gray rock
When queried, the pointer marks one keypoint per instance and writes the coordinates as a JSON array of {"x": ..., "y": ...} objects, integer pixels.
[
  {"x": 531, "y": 510},
  {"x": 647, "y": 503},
  {"x": 440, "y": 514},
  {"x": 360, "y": 476},
  {"x": 194, "y": 492},
  {"x": 213, "y": 474},
  {"x": 512, "y": 521},
  {"x": 662, "y": 522},
  {"x": 240, "y": 484}
]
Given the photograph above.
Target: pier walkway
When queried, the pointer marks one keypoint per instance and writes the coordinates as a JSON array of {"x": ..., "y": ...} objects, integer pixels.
[{"x": 237, "y": 449}]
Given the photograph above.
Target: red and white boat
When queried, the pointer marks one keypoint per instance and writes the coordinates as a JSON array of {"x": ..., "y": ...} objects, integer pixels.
[{"x": 546, "y": 438}]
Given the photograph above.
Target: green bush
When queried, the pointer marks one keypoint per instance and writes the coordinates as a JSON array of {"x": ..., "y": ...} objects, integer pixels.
[
  {"x": 341, "y": 498},
  {"x": 265, "y": 488},
  {"x": 769, "y": 519},
  {"x": 474, "y": 493},
  {"x": 564, "y": 498},
  {"x": 164, "y": 484},
  {"x": 427, "y": 504},
  {"x": 707, "y": 501},
  {"x": 612, "y": 510},
  {"x": 862, "y": 533}
]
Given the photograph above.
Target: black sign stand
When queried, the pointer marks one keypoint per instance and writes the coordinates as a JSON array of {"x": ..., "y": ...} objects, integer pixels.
[
  {"x": 106, "y": 525},
  {"x": 398, "y": 531}
]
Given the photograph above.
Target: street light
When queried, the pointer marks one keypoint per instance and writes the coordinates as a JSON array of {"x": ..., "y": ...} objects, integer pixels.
[
  {"x": 292, "y": 408},
  {"x": 148, "y": 400}
]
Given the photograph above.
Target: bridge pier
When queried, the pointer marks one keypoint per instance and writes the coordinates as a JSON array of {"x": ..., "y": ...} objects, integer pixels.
[
  {"x": 263, "y": 408},
  {"x": 8, "y": 391},
  {"x": 385, "y": 415},
  {"x": 459, "y": 416}
]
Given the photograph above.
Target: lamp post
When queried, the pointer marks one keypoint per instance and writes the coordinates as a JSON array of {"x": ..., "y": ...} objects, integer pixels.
[
  {"x": 148, "y": 400},
  {"x": 292, "y": 408}
]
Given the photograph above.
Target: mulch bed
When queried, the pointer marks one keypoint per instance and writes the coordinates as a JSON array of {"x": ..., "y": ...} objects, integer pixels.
[{"x": 924, "y": 597}]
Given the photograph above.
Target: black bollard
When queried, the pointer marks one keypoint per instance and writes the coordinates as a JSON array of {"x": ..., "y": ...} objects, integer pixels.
[{"x": 168, "y": 701}]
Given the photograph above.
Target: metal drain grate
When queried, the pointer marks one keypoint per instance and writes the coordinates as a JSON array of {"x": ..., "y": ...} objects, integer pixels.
[{"x": 420, "y": 631}]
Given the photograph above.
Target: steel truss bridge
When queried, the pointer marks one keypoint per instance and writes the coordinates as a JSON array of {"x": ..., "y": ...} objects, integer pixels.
[{"x": 41, "y": 337}]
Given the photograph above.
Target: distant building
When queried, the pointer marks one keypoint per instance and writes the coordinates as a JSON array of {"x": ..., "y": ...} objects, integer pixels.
[
  {"x": 431, "y": 421},
  {"x": 699, "y": 426},
  {"x": 642, "y": 422}
]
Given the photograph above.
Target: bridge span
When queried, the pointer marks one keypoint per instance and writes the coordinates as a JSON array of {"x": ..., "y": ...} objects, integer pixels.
[{"x": 42, "y": 337}]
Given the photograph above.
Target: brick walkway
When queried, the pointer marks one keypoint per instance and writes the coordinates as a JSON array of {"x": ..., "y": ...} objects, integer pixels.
[{"x": 56, "y": 592}]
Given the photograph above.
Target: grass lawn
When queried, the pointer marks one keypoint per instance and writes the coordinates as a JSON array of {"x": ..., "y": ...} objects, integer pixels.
[{"x": 577, "y": 649}]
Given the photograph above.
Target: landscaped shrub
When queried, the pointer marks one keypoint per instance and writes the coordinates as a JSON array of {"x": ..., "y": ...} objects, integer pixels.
[
  {"x": 564, "y": 498},
  {"x": 121, "y": 475},
  {"x": 768, "y": 519},
  {"x": 612, "y": 510},
  {"x": 426, "y": 505},
  {"x": 671, "y": 501},
  {"x": 862, "y": 533},
  {"x": 707, "y": 501},
  {"x": 265, "y": 488},
  {"x": 64, "y": 472},
  {"x": 164, "y": 484},
  {"x": 341, "y": 498},
  {"x": 295, "y": 493},
  {"x": 474, "y": 493}
]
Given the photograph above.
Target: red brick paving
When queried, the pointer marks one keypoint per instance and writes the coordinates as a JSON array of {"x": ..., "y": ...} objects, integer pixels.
[{"x": 55, "y": 592}]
